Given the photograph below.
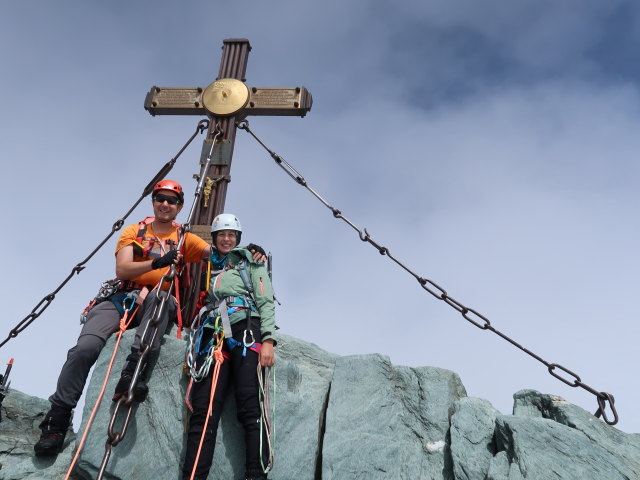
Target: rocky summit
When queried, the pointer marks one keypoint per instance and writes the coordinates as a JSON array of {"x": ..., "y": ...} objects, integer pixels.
[{"x": 336, "y": 418}]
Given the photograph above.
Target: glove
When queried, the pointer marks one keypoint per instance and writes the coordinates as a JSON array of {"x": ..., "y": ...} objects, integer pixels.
[
  {"x": 165, "y": 260},
  {"x": 256, "y": 248}
]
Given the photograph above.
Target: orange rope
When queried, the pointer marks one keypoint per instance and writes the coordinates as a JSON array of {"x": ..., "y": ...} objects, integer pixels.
[
  {"x": 123, "y": 327},
  {"x": 214, "y": 382}
]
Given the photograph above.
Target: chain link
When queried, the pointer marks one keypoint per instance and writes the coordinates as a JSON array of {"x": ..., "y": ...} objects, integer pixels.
[
  {"x": 469, "y": 314},
  {"x": 46, "y": 301}
]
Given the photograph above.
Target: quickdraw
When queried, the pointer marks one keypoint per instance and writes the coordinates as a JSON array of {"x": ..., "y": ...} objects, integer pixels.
[{"x": 203, "y": 341}]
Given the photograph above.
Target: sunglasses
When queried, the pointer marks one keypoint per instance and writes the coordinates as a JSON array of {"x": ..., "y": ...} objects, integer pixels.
[{"x": 164, "y": 198}]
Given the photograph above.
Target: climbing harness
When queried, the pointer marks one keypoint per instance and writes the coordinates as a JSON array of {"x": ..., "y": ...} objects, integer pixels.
[
  {"x": 212, "y": 325},
  {"x": 126, "y": 401},
  {"x": 4, "y": 384},
  {"x": 469, "y": 314},
  {"x": 42, "y": 305},
  {"x": 107, "y": 289},
  {"x": 128, "y": 305}
]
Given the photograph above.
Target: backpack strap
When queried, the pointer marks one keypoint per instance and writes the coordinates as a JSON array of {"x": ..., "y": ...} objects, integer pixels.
[
  {"x": 139, "y": 251},
  {"x": 242, "y": 270}
]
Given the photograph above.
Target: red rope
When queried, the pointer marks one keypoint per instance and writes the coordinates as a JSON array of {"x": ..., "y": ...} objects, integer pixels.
[{"x": 179, "y": 312}]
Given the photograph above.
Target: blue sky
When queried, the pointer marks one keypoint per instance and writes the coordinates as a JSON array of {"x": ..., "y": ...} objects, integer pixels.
[{"x": 492, "y": 149}]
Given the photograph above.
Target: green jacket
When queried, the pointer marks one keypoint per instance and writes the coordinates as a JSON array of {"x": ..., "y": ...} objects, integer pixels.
[{"x": 229, "y": 283}]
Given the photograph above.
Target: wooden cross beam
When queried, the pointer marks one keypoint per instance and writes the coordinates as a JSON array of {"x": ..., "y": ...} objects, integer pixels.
[{"x": 226, "y": 101}]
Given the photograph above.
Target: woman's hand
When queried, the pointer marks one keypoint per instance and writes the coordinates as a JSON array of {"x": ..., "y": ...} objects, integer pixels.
[{"x": 267, "y": 356}]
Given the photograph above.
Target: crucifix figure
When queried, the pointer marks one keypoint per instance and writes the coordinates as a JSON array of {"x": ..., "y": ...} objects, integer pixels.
[{"x": 226, "y": 101}]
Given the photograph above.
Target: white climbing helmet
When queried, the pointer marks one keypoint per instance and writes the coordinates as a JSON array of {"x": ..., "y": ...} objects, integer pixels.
[{"x": 226, "y": 221}]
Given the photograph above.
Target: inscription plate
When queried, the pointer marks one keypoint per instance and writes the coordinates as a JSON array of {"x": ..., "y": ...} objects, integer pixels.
[
  {"x": 221, "y": 154},
  {"x": 174, "y": 101},
  {"x": 294, "y": 101},
  {"x": 285, "y": 97}
]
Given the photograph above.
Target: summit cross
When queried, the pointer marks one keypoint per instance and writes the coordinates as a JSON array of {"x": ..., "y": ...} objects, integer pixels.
[{"x": 226, "y": 102}]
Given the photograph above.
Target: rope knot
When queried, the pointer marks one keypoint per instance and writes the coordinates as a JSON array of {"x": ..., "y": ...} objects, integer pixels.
[{"x": 217, "y": 354}]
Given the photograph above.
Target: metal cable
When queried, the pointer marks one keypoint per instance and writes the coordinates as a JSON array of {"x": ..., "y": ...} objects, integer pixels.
[
  {"x": 469, "y": 314},
  {"x": 46, "y": 301}
]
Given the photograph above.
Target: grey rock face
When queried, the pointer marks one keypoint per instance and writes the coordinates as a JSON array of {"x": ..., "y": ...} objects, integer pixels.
[
  {"x": 21, "y": 415},
  {"x": 565, "y": 440},
  {"x": 546, "y": 438},
  {"x": 336, "y": 418},
  {"x": 154, "y": 444},
  {"x": 472, "y": 438},
  {"x": 387, "y": 422}
]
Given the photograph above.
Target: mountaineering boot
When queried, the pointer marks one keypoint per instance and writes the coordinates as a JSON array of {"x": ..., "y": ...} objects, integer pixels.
[
  {"x": 254, "y": 474},
  {"x": 122, "y": 387},
  {"x": 54, "y": 428}
]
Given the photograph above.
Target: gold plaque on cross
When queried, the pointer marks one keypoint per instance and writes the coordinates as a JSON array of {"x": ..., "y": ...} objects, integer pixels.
[{"x": 225, "y": 97}]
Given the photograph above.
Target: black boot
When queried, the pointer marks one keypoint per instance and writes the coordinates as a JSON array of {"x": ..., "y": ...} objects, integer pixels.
[
  {"x": 141, "y": 390},
  {"x": 54, "y": 428},
  {"x": 255, "y": 474}
]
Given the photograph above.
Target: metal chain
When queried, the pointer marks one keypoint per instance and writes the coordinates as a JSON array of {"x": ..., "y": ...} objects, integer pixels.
[
  {"x": 127, "y": 401},
  {"x": 46, "y": 301},
  {"x": 469, "y": 314}
]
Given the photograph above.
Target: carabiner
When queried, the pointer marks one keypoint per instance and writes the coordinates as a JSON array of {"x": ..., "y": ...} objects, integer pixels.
[
  {"x": 244, "y": 339},
  {"x": 131, "y": 296}
]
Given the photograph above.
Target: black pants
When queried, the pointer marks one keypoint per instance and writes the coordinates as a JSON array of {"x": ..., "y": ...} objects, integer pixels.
[{"x": 242, "y": 372}]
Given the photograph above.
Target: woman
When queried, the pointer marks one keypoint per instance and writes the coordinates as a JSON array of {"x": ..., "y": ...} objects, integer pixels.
[{"x": 240, "y": 298}]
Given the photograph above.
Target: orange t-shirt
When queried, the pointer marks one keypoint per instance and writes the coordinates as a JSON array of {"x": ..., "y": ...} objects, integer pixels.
[{"x": 158, "y": 244}]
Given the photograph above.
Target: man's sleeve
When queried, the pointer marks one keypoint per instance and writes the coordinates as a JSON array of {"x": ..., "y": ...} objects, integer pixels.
[
  {"x": 193, "y": 246},
  {"x": 127, "y": 237}
]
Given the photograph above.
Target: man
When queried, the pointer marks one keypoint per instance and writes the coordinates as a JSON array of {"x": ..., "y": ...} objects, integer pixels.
[{"x": 144, "y": 253}]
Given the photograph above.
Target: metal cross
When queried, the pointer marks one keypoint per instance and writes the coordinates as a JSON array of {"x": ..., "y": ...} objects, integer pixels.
[{"x": 226, "y": 101}]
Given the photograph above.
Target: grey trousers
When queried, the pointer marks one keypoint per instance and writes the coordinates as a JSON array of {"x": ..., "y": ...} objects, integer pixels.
[{"x": 102, "y": 321}]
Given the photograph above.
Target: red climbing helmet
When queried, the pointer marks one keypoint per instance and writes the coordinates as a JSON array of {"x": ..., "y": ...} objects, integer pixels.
[{"x": 171, "y": 186}]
